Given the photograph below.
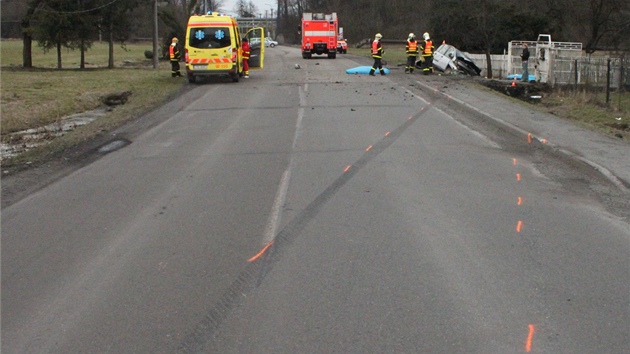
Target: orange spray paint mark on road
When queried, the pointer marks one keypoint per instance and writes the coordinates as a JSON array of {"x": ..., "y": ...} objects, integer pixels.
[
  {"x": 529, "y": 137},
  {"x": 514, "y": 162},
  {"x": 347, "y": 168},
  {"x": 369, "y": 148},
  {"x": 530, "y": 337},
  {"x": 261, "y": 252},
  {"x": 519, "y": 225},
  {"x": 518, "y": 176},
  {"x": 520, "y": 201}
]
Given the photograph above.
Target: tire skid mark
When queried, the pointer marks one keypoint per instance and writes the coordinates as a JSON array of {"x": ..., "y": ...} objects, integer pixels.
[{"x": 255, "y": 271}]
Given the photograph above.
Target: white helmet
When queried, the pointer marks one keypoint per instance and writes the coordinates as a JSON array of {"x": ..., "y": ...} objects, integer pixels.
[
  {"x": 411, "y": 35},
  {"x": 426, "y": 35},
  {"x": 378, "y": 36}
]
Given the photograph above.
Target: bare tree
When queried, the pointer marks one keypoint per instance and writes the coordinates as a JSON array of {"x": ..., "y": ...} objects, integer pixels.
[
  {"x": 245, "y": 8},
  {"x": 604, "y": 19},
  {"x": 210, "y": 6},
  {"x": 490, "y": 26}
]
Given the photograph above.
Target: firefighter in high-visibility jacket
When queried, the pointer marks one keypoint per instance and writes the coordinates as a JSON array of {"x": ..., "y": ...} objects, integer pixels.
[
  {"x": 427, "y": 54},
  {"x": 377, "y": 53},
  {"x": 412, "y": 53},
  {"x": 246, "y": 53},
  {"x": 174, "y": 55}
]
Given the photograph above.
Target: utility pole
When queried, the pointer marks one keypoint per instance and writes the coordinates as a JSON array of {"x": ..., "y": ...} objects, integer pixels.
[
  {"x": 277, "y": 18},
  {"x": 155, "y": 34}
]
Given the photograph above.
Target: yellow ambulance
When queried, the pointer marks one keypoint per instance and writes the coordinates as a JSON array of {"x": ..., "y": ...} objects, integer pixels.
[{"x": 213, "y": 47}]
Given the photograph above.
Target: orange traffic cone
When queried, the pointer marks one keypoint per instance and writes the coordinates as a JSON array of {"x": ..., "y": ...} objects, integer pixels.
[{"x": 514, "y": 82}]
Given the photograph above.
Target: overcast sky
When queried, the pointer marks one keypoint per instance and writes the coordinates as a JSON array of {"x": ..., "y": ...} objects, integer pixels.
[{"x": 262, "y": 5}]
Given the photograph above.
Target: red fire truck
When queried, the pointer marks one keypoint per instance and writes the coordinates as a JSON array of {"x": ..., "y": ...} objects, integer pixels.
[{"x": 319, "y": 34}]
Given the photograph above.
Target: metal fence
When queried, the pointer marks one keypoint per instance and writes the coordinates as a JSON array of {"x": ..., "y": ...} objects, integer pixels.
[
  {"x": 498, "y": 61},
  {"x": 599, "y": 72},
  {"x": 612, "y": 72}
]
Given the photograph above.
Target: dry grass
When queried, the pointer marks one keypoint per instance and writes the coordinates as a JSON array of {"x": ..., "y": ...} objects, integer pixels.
[
  {"x": 588, "y": 108},
  {"x": 44, "y": 95}
]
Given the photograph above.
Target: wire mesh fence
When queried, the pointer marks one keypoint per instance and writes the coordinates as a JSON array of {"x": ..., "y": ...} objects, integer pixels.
[
  {"x": 600, "y": 72},
  {"x": 606, "y": 78},
  {"x": 564, "y": 63}
]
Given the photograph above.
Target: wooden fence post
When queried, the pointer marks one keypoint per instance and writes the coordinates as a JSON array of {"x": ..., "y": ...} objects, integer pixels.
[
  {"x": 608, "y": 83},
  {"x": 576, "y": 74}
]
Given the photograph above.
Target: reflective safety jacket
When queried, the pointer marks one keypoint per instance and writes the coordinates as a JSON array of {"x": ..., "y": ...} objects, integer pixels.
[
  {"x": 246, "y": 50},
  {"x": 412, "y": 48},
  {"x": 174, "y": 52},
  {"x": 377, "y": 49},
  {"x": 427, "y": 48}
]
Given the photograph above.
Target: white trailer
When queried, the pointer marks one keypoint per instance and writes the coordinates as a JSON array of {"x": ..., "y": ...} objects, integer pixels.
[{"x": 548, "y": 60}]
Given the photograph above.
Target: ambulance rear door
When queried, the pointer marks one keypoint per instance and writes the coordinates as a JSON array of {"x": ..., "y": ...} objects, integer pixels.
[{"x": 257, "y": 47}]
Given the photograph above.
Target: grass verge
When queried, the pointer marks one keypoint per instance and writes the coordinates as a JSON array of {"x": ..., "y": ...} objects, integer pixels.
[
  {"x": 585, "y": 107},
  {"x": 44, "y": 95},
  {"x": 588, "y": 109}
]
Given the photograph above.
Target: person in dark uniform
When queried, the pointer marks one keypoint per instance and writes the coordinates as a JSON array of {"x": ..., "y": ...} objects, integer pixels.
[
  {"x": 377, "y": 54},
  {"x": 412, "y": 53},
  {"x": 427, "y": 54},
  {"x": 175, "y": 55}
]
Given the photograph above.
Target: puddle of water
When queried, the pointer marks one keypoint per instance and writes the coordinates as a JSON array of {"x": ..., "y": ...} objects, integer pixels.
[
  {"x": 28, "y": 139},
  {"x": 114, "y": 145}
]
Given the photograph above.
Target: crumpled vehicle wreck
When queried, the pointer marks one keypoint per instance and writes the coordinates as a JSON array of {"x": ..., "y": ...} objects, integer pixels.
[{"x": 449, "y": 60}]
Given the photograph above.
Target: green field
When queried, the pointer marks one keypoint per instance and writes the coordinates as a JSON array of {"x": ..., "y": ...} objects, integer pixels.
[
  {"x": 44, "y": 95},
  {"x": 394, "y": 53}
]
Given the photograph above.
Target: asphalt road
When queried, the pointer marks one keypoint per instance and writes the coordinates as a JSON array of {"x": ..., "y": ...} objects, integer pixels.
[{"x": 310, "y": 211}]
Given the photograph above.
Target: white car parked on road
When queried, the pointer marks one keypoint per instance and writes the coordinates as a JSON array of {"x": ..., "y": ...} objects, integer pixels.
[{"x": 268, "y": 42}]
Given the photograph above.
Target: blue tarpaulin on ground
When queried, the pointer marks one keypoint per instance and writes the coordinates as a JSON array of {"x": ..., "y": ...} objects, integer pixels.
[
  {"x": 365, "y": 70},
  {"x": 518, "y": 77}
]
